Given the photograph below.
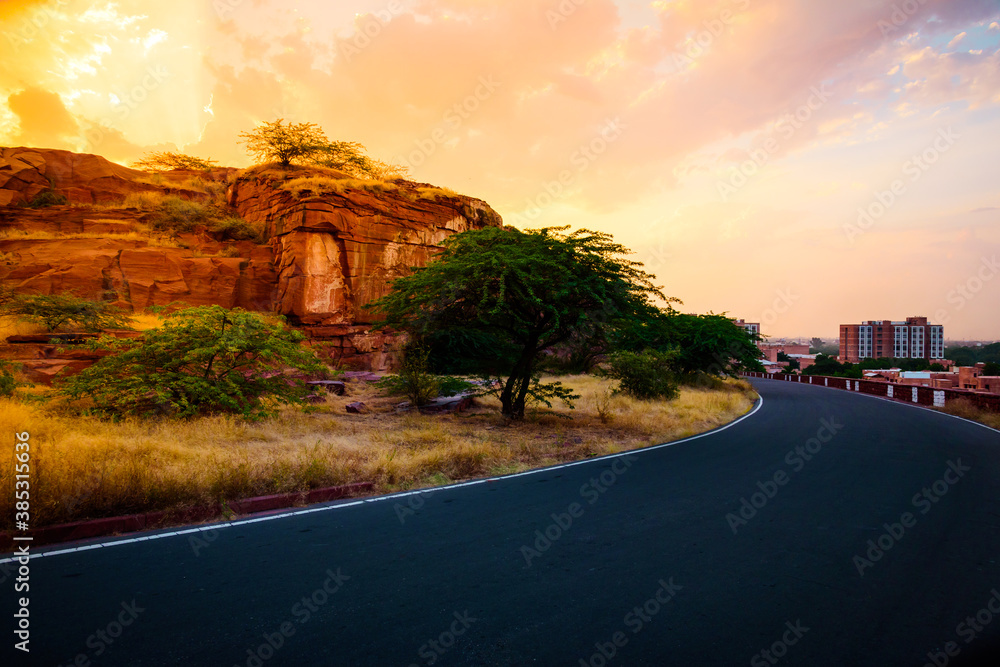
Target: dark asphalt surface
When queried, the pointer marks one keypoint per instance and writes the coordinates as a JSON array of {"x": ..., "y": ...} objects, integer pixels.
[{"x": 450, "y": 583}]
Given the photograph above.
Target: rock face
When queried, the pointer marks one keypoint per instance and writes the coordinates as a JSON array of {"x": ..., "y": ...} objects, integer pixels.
[
  {"x": 327, "y": 255},
  {"x": 336, "y": 252},
  {"x": 82, "y": 178}
]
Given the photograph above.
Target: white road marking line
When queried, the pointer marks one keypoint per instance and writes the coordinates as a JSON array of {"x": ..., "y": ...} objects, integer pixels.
[{"x": 379, "y": 499}]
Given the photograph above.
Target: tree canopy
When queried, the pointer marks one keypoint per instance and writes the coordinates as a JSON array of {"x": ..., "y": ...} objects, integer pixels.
[
  {"x": 705, "y": 344},
  {"x": 167, "y": 160},
  {"x": 203, "y": 360},
  {"x": 520, "y": 293},
  {"x": 307, "y": 144}
]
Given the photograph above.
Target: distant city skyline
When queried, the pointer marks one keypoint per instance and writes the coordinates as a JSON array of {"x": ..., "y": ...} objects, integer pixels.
[{"x": 796, "y": 164}]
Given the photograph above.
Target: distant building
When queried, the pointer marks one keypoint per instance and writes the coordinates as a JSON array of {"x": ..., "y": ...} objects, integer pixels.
[
  {"x": 875, "y": 339},
  {"x": 771, "y": 350},
  {"x": 752, "y": 327}
]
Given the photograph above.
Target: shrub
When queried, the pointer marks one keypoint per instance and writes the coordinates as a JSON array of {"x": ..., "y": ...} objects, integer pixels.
[
  {"x": 238, "y": 229},
  {"x": 417, "y": 384},
  {"x": 8, "y": 383},
  {"x": 58, "y": 310},
  {"x": 180, "y": 215},
  {"x": 47, "y": 198},
  {"x": 645, "y": 375},
  {"x": 203, "y": 360}
]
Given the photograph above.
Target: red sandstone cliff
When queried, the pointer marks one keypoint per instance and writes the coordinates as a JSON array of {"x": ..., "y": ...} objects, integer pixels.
[{"x": 326, "y": 255}]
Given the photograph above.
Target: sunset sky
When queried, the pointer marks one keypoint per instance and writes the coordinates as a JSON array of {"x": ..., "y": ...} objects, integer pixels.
[{"x": 730, "y": 143}]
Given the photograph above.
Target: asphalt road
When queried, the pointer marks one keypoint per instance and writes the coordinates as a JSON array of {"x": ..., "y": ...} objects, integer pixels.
[{"x": 874, "y": 539}]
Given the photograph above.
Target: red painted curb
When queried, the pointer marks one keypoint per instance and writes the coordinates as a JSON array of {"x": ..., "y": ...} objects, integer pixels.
[{"x": 82, "y": 530}]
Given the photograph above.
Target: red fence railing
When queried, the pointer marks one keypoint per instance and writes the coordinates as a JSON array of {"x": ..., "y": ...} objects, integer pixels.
[{"x": 928, "y": 396}]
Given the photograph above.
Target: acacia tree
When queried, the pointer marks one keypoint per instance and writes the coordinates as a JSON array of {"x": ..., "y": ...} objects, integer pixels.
[
  {"x": 307, "y": 144},
  {"x": 277, "y": 142},
  {"x": 167, "y": 161},
  {"x": 527, "y": 291},
  {"x": 202, "y": 360}
]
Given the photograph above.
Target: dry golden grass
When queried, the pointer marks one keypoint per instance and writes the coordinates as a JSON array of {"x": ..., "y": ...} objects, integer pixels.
[
  {"x": 84, "y": 467},
  {"x": 11, "y": 326},
  {"x": 143, "y": 321},
  {"x": 156, "y": 240},
  {"x": 144, "y": 201},
  {"x": 321, "y": 185},
  {"x": 433, "y": 194},
  {"x": 964, "y": 408}
]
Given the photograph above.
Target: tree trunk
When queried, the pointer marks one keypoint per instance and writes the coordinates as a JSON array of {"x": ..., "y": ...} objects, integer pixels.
[{"x": 515, "y": 391}]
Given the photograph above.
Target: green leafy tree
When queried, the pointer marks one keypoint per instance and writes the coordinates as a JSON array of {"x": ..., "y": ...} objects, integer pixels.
[
  {"x": 706, "y": 345},
  {"x": 525, "y": 291},
  {"x": 991, "y": 368},
  {"x": 203, "y": 360},
  {"x": 167, "y": 161},
  {"x": 55, "y": 311}
]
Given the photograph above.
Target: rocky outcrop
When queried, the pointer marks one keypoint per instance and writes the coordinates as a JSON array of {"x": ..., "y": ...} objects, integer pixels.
[
  {"x": 337, "y": 252},
  {"x": 328, "y": 254}
]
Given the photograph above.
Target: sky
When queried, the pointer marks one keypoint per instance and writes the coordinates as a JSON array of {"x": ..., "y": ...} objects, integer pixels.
[{"x": 799, "y": 163}]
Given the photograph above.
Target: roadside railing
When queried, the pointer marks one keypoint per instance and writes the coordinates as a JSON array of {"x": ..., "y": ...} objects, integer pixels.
[{"x": 928, "y": 396}]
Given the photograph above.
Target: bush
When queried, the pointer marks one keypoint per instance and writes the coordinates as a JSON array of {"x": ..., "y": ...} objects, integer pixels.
[
  {"x": 58, "y": 310},
  {"x": 180, "y": 215},
  {"x": 47, "y": 198},
  {"x": 8, "y": 383},
  {"x": 238, "y": 229},
  {"x": 204, "y": 360},
  {"x": 645, "y": 375},
  {"x": 417, "y": 384}
]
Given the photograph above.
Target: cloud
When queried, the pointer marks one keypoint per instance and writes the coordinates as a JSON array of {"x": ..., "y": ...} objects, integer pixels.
[{"x": 43, "y": 120}]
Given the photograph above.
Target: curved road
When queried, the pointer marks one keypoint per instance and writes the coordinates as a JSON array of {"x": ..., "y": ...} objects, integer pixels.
[{"x": 827, "y": 528}]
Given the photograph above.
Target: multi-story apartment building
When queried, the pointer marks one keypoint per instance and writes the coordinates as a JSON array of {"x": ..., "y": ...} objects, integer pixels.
[{"x": 874, "y": 339}]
